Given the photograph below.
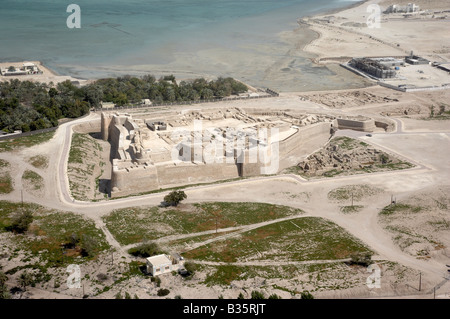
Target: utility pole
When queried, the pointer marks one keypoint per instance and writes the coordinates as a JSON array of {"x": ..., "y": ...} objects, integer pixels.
[
  {"x": 352, "y": 199},
  {"x": 420, "y": 281}
]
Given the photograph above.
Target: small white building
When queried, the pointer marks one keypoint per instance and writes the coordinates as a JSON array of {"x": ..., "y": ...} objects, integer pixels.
[{"x": 160, "y": 264}]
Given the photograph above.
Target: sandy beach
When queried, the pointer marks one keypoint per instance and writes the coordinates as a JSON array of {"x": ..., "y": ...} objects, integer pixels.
[
  {"x": 48, "y": 75},
  {"x": 346, "y": 34}
]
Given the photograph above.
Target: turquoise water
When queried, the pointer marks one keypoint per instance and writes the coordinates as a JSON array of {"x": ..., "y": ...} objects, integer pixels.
[{"x": 116, "y": 35}]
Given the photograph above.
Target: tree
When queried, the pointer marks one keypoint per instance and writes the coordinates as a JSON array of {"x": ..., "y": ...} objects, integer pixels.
[
  {"x": 11, "y": 69},
  {"x": 274, "y": 296},
  {"x": 145, "y": 250},
  {"x": 241, "y": 296},
  {"x": 175, "y": 197}
]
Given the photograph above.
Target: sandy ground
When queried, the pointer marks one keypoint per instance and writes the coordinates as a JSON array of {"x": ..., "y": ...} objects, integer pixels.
[{"x": 396, "y": 36}]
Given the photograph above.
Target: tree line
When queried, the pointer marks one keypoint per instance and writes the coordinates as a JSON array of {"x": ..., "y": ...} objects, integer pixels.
[{"x": 29, "y": 106}]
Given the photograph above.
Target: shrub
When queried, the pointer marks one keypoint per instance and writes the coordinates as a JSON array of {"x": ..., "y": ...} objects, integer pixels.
[
  {"x": 191, "y": 268},
  {"x": 88, "y": 246},
  {"x": 25, "y": 280},
  {"x": 163, "y": 292},
  {"x": 20, "y": 222},
  {"x": 361, "y": 259},
  {"x": 257, "y": 295},
  {"x": 306, "y": 295},
  {"x": 102, "y": 277},
  {"x": 274, "y": 296}
]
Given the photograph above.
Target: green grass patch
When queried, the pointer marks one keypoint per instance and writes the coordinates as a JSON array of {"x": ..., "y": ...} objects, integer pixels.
[
  {"x": 26, "y": 141},
  {"x": 77, "y": 152},
  {"x": 36, "y": 181},
  {"x": 357, "y": 192},
  {"x": 39, "y": 161},
  {"x": 4, "y": 164},
  {"x": 399, "y": 207},
  {"x": 136, "y": 224},
  {"x": 48, "y": 235},
  {"x": 301, "y": 239},
  {"x": 351, "y": 209},
  {"x": 6, "y": 184},
  {"x": 225, "y": 274}
]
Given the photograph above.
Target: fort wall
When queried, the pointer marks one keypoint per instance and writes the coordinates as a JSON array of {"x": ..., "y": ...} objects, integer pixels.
[
  {"x": 365, "y": 125},
  {"x": 131, "y": 176}
]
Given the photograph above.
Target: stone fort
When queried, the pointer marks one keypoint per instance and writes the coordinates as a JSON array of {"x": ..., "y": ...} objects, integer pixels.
[{"x": 162, "y": 150}]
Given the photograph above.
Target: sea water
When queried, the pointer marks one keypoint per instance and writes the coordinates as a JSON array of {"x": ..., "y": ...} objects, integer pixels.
[{"x": 239, "y": 38}]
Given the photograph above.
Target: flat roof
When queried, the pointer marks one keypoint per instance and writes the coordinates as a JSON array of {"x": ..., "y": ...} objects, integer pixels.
[{"x": 159, "y": 260}]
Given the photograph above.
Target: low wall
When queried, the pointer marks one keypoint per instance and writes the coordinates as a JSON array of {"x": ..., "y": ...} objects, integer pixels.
[
  {"x": 304, "y": 135},
  {"x": 357, "y": 125},
  {"x": 189, "y": 173}
]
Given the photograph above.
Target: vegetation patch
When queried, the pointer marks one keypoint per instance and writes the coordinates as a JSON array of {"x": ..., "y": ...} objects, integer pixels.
[
  {"x": 6, "y": 183},
  {"x": 55, "y": 238},
  {"x": 33, "y": 179},
  {"x": 301, "y": 239},
  {"x": 25, "y": 141},
  {"x": 355, "y": 192},
  {"x": 133, "y": 225},
  {"x": 418, "y": 225},
  {"x": 39, "y": 161},
  {"x": 85, "y": 167},
  {"x": 351, "y": 209}
]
